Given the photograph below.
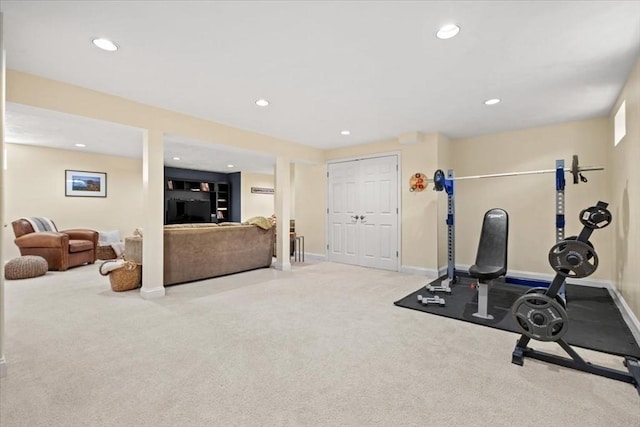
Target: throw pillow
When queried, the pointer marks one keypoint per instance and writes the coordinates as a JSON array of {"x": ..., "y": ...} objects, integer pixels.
[
  {"x": 118, "y": 248},
  {"x": 108, "y": 237}
]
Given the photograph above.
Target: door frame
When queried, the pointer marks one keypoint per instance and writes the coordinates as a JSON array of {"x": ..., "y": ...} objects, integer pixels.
[{"x": 398, "y": 154}]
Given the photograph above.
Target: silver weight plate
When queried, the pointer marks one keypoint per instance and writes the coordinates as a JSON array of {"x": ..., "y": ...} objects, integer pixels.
[{"x": 540, "y": 317}]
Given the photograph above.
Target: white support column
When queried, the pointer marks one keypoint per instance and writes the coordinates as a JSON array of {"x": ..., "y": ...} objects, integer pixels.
[
  {"x": 3, "y": 92},
  {"x": 153, "y": 210},
  {"x": 283, "y": 206}
]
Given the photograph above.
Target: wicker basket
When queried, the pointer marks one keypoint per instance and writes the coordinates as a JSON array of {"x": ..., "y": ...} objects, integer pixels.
[
  {"x": 105, "y": 252},
  {"x": 126, "y": 278}
]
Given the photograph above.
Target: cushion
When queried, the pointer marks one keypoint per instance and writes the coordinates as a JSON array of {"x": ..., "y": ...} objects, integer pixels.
[
  {"x": 118, "y": 248},
  {"x": 260, "y": 221},
  {"x": 108, "y": 237},
  {"x": 80, "y": 245},
  {"x": 191, "y": 225}
]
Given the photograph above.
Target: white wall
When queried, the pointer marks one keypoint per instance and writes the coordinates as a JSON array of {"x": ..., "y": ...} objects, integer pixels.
[
  {"x": 625, "y": 197},
  {"x": 35, "y": 186},
  {"x": 255, "y": 204},
  {"x": 310, "y": 206},
  {"x": 530, "y": 199}
]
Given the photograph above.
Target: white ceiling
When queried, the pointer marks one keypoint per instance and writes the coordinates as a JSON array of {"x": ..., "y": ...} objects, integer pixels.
[
  {"x": 373, "y": 67},
  {"x": 36, "y": 126}
]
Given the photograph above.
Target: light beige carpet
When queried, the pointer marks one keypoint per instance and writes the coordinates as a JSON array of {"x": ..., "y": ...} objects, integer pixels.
[{"x": 321, "y": 345}]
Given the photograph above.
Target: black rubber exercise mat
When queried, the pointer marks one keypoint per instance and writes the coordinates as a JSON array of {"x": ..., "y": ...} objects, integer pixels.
[{"x": 595, "y": 321}]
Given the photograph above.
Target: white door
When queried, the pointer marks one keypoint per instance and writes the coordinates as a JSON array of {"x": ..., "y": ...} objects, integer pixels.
[
  {"x": 343, "y": 216},
  {"x": 363, "y": 212}
]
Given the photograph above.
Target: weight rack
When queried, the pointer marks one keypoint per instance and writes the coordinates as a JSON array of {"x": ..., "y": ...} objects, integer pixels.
[
  {"x": 575, "y": 361},
  {"x": 442, "y": 183}
]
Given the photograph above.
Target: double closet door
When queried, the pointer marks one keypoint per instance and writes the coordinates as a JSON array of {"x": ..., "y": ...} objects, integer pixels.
[{"x": 363, "y": 212}]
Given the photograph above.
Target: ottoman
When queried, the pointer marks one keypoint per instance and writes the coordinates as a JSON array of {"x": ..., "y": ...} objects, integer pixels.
[{"x": 25, "y": 267}]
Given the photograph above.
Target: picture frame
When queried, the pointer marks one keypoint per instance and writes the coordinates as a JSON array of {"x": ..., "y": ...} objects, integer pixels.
[
  {"x": 262, "y": 190},
  {"x": 85, "y": 184}
]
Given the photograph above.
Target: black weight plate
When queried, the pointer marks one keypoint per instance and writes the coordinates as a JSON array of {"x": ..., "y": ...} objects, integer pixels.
[
  {"x": 575, "y": 169},
  {"x": 539, "y": 317},
  {"x": 588, "y": 243},
  {"x": 595, "y": 217},
  {"x": 438, "y": 180},
  {"x": 541, "y": 290},
  {"x": 573, "y": 258}
]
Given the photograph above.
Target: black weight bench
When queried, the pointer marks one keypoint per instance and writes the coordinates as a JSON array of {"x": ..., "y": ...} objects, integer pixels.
[{"x": 491, "y": 258}]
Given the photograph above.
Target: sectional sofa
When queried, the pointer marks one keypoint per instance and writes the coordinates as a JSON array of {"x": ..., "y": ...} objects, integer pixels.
[{"x": 201, "y": 251}]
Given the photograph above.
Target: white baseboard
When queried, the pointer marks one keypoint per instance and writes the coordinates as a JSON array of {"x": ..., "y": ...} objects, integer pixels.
[
  {"x": 315, "y": 257},
  {"x": 153, "y": 293},
  {"x": 545, "y": 277},
  {"x": 419, "y": 271},
  {"x": 282, "y": 266},
  {"x": 596, "y": 283},
  {"x": 628, "y": 315}
]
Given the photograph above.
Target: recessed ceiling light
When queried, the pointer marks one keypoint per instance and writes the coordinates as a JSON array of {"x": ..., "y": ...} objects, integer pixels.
[
  {"x": 229, "y": 165},
  {"x": 448, "y": 31},
  {"x": 176, "y": 158},
  {"x": 492, "y": 101},
  {"x": 105, "y": 44},
  {"x": 81, "y": 145},
  {"x": 345, "y": 132},
  {"x": 262, "y": 102}
]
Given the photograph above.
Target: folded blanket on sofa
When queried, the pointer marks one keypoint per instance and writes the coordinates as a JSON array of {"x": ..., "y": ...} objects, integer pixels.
[{"x": 260, "y": 221}]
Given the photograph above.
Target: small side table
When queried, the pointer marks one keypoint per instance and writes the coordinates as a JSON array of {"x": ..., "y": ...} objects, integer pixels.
[
  {"x": 298, "y": 246},
  {"x": 133, "y": 249}
]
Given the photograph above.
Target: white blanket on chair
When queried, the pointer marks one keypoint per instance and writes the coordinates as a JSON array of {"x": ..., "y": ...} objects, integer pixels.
[{"x": 41, "y": 224}]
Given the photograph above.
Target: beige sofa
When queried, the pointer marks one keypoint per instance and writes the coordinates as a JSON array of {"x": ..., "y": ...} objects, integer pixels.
[{"x": 201, "y": 251}]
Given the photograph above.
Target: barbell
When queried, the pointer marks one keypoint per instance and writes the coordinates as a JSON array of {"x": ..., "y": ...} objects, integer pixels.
[{"x": 439, "y": 176}]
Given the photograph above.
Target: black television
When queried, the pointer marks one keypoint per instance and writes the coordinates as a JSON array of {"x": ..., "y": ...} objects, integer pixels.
[{"x": 188, "y": 211}]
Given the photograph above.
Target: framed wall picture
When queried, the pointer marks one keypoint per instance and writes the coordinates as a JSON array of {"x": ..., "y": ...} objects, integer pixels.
[
  {"x": 85, "y": 184},
  {"x": 262, "y": 190}
]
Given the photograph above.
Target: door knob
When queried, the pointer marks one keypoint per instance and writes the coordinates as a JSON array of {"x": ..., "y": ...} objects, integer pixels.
[
  {"x": 362, "y": 217},
  {"x": 355, "y": 217}
]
